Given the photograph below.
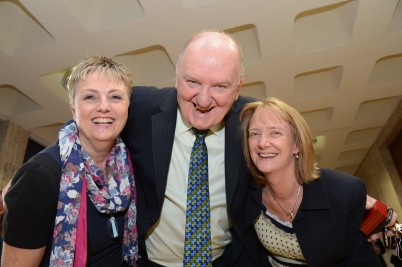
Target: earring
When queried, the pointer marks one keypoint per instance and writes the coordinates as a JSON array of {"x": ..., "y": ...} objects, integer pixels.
[{"x": 297, "y": 155}]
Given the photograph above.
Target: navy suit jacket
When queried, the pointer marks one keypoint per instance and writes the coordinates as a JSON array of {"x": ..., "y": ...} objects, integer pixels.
[
  {"x": 328, "y": 221},
  {"x": 149, "y": 136}
]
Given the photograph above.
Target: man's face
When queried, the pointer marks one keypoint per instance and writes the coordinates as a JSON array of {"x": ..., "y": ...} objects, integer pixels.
[{"x": 208, "y": 82}]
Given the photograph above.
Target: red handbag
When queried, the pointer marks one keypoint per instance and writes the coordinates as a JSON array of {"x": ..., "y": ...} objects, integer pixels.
[{"x": 376, "y": 218}]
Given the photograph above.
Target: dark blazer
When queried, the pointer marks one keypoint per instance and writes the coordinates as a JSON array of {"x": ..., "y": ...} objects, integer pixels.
[
  {"x": 328, "y": 221},
  {"x": 149, "y": 136}
]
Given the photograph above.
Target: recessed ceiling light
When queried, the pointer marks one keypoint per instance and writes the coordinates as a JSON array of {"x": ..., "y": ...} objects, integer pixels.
[
  {"x": 64, "y": 79},
  {"x": 319, "y": 142}
]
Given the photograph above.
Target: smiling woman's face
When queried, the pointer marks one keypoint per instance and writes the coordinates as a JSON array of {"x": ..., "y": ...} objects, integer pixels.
[
  {"x": 271, "y": 143},
  {"x": 100, "y": 108}
]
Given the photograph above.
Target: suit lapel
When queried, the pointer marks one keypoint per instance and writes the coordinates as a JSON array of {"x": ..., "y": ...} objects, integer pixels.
[
  {"x": 314, "y": 198},
  {"x": 233, "y": 154},
  {"x": 163, "y": 130}
]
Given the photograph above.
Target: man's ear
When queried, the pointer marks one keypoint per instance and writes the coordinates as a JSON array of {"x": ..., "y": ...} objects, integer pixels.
[{"x": 238, "y": 87}]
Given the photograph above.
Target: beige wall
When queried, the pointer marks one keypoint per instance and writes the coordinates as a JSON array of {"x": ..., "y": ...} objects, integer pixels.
[
  {"x": 381, "y": 178},
  {"x": 13, "y": 143},
  {"x": 379, "y": 172},
  {"x": 378, "y": 169}
]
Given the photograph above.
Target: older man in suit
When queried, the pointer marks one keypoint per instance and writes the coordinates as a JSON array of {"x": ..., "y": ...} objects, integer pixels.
[{"x": 209, "y": 74}]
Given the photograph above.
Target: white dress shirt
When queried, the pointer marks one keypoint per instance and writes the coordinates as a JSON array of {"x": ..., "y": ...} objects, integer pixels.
[{"x": 165, "y": 241}]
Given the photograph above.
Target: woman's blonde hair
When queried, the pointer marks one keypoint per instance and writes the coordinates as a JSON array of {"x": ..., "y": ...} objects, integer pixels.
[{"x": 99, "y": 64}]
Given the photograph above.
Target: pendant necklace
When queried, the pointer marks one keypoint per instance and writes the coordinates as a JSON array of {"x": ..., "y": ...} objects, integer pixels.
[
  {"x": 112, "y": 227},
  {"x": 290, "y": 212}
]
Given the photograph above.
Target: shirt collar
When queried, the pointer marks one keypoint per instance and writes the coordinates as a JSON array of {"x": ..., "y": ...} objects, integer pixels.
[{"x": 182, "y": 126}]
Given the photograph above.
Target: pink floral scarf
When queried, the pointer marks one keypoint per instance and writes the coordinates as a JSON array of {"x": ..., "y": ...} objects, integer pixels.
[{"x": 79, "y": 177}]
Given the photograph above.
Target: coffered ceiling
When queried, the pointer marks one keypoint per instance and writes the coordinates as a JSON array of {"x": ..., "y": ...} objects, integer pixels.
[{"x": 338, "y": 62}]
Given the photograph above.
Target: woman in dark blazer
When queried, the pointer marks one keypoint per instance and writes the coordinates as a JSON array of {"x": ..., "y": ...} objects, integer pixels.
[{"x": 301, "y": 214}]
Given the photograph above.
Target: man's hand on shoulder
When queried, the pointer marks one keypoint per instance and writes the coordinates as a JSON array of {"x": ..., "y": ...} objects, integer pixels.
[{"x": 369, "y": 205}]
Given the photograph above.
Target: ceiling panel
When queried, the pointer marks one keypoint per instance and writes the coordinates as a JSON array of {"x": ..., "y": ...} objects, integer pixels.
[{"x": 338, "y": 62}]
